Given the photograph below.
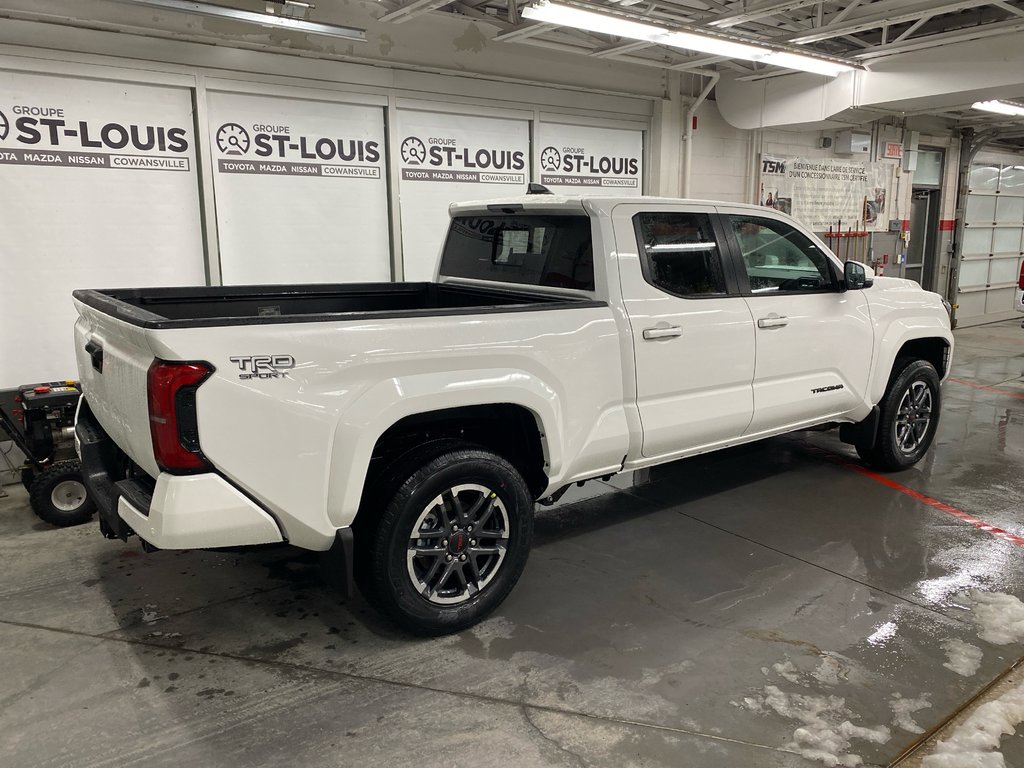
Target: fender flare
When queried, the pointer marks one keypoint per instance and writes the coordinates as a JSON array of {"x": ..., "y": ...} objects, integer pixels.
[
  {"x": 895, "y": 337},
  {"x": 391, "y": 400}
]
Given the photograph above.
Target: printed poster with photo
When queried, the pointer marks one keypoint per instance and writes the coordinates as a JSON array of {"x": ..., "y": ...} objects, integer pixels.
[{"x": 821, "y": 192}]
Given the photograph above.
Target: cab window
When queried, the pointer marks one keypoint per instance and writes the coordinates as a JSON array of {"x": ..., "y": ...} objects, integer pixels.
[
  {"x": 679, "y": 253},
  {"x": 779, "y": 259}
]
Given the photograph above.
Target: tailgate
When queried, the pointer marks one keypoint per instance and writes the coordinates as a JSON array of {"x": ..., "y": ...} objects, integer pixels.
[{"x": 113, "y": 360}]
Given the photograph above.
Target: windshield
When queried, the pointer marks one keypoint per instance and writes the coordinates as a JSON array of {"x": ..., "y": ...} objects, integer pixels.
[{"x": 526, "y": 249}]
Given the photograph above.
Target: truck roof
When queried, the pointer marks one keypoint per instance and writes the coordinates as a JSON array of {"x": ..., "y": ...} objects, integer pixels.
[{"x": 600, "y": 202}]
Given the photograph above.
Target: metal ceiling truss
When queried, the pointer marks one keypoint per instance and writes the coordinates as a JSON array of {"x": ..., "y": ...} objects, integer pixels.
[{"x": 855, "y": 29}]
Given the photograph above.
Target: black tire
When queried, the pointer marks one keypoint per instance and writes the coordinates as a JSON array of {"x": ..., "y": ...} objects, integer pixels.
[
  {"x": 904, "y": 436},
  {"x": 425, "y": 593},
  {"x": 58, "y": 495}
]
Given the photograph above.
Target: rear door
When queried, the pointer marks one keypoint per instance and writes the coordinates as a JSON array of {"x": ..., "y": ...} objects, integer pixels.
[
  {"x": 693, "y": 336},
  {"x": 113, "y": 362},
  {"x": 814, "y": 341}
]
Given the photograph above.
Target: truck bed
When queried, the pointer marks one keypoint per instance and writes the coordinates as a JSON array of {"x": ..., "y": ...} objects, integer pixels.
[{"x": 252, "y": 305}]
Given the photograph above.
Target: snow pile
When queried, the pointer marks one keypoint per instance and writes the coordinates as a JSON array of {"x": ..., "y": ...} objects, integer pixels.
[
  {"x": 825, "y": 729},
  {"x": 974, "y": 743},
  {"x": 963, "y": 658},
  {"x": 902, "y": 709},
  {"x": 787, "y": 670},
  {"x": 831, "y": 670},
  {"x": 1000, "y": 617}
]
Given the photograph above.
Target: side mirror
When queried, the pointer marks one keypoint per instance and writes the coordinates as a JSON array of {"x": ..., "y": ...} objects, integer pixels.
[{"x": 857, "y": 276}]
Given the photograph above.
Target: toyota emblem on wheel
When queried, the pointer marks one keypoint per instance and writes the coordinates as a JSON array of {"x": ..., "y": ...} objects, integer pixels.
[
  {"x": 550, "y": 159},
  {"x": 232, "y": 139},
  {"x": 414, "y": 152}
]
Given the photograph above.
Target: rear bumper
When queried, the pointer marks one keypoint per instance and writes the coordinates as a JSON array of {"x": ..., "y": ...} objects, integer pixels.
[{"x": 178, "y": 512}]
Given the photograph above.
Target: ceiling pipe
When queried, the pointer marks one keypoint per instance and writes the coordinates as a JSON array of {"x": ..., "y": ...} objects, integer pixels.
[{"x": 713, "y": 78}]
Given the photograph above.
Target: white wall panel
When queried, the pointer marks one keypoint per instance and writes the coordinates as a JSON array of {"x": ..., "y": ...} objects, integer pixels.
[
  {"x": 98, "y": 188},
  {"x": 578, "y": 159},
  {"x": 301, "y": 190},
  {"x": 445, "y": 158}
]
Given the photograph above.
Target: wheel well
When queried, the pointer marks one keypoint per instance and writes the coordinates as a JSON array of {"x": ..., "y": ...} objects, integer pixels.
[
  {"x": 935, "y": 351},
  {"x": 511, "y": 431}
]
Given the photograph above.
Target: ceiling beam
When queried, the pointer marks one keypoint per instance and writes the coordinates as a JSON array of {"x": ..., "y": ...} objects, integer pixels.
[
  {"x": 524, "y": 32},
  {"x": 1010, "y": 27},
  {"x": 757, "y": 11},
  {"x": 873, "y": 20},
  {"x": 411, "y": 10}
]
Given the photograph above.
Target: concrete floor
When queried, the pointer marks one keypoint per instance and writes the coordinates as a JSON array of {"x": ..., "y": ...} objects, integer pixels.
[{"x": 728, "y": 612}]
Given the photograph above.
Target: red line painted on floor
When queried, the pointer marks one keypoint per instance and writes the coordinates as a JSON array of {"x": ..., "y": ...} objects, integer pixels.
[
  {"x": 959, "y": 514},
  {"x": 1006, "y": 392},
  {"x": 981, "y": 525}
]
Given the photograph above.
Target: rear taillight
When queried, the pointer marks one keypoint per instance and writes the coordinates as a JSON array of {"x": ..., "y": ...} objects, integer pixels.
[
  {"x": 171, "y": 389},
  {"x": 1020, "y": 280}
]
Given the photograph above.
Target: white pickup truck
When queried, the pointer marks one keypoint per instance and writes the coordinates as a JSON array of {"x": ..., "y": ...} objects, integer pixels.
[{"x": 406, "y": 430}]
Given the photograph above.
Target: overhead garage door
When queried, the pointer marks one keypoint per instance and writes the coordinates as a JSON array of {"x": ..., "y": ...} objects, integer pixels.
[
  {"x": 993, "y": 242},
  {"x": 98, "y": 189}
]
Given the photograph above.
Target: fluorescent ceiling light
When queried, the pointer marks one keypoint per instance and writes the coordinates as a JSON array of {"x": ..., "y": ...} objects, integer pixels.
[
  {"x": 806, "y": 63},
  {"x": 254, "y": 17},
  {"x": 579, "y": 18},
  {"x": 999, "y": 107}
]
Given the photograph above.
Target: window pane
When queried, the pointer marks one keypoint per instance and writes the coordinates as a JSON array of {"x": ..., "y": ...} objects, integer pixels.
[
  {"x": 1008, "y": 209},
  {"x": 1011, "y": 180},
  {"x": 779, "y": 258},
  {"x": 1006, "y": 240},
  {"x": 526, "y": 249},
  {"x": 984, "y": 177},
  {"x": 929, "y": 167},
  {"x": 1003, "y": 271},
  {"x": 681, "y": 254},
  {"x": 977, "y": 241},
  {"x": 973, "y": 273},
  {"x": 981, "y": 209}
]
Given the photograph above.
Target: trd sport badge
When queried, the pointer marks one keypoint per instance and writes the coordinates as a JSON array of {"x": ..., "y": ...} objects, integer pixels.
[{"x": 263, "y": 366}]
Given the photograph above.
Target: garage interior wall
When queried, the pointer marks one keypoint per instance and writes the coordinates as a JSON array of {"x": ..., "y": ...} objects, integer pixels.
[{"x": 324, "y": 203}]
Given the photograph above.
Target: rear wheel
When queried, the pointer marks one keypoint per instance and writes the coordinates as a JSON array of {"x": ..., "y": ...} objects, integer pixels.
[
  {"x": 908, "y": 418},
  {"x": 451, "y": 542},
  {"x": 58, "y": 495}
]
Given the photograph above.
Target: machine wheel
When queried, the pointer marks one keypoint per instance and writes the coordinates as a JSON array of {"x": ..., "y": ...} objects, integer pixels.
[
  {"x": 451, "y": 542},
  {"x": 908, "y": 418},
  {"x": 58, "y": 495}
]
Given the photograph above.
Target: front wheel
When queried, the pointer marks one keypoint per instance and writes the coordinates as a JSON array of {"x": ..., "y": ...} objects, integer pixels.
[
  {"x": 453, "y": 540},
  {"x": 908, "y": 418}
]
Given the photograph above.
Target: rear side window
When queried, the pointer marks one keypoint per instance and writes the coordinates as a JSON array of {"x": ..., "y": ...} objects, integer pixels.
[
  {"x": 680, "y": 253},
  {"x": 526, "y": 249}
]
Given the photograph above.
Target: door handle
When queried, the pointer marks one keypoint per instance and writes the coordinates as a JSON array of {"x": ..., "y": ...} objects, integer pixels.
[
  {"x": 663, "y": 333},
  {"x": 774, "y": 321}
]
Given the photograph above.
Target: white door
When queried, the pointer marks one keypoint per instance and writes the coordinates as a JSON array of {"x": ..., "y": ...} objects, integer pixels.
[
  {"x": 814, "y": 341},
  {"x": 693, "y": 335}
]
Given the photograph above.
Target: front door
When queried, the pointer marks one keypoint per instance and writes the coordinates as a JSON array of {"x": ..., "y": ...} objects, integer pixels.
[
  {"x": 693, "y": 336},
  {"x": 814, "y": 341}
]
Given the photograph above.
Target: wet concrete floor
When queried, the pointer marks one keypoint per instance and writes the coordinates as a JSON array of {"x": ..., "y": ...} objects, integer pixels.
[{"x": 767, "y": 606}]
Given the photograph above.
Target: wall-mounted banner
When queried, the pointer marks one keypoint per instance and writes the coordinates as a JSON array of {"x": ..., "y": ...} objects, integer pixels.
[
  {"x": 98, "y": 188},
  {"x": 60, "y": 133},
  {"x": 301, "y": 190},
  {"x": 821, "y": 192},
  {"x": 578, "y": 159},
  {"x": 450, "y": 158}
]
